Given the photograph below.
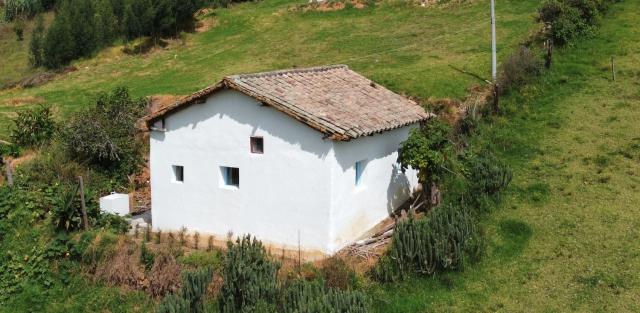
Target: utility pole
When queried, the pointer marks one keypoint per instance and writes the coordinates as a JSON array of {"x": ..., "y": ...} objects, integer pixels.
[
  {"x": 494, "y": 60},
  {"x": 494, "y": 66}
]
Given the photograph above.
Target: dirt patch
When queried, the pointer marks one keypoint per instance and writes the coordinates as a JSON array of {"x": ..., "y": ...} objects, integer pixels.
[
  {"x": 24, "y": 101},
  {"x": 24, "y": 158},
  {"x": 206, "y": 24},
  {"x": 333, "y": 5},
  {"x": 39, "y": 79}
]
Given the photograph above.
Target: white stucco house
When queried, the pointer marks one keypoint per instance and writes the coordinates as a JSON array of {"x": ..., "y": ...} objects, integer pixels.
[{"x": 303, "y": 155}]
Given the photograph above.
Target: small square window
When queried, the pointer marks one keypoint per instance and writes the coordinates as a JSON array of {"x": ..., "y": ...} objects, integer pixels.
[
  {"x": 360, "y": 165},
  {"x": 178, "y": 173},
  {"x": 257, "y": 145},
  {"x": 231, "y": 176}
]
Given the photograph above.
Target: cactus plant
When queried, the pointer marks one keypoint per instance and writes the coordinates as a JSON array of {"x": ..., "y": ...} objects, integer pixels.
[
  {"x": 249, "y": 277},
  {"x": 441, "y": 240}
]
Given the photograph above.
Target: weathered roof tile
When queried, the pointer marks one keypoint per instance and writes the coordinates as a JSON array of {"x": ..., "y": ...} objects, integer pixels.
[{"x": 332, "y": 99}]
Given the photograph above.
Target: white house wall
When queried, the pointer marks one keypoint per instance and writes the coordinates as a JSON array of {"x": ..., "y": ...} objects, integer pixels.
[
  {"x": 383, "y": 187},
  {"x": 284, "y": 192}
]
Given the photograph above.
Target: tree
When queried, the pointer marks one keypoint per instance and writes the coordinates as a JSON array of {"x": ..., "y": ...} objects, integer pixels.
[
  {"x": 37, "y": 44},
  {"x": 81, "y": 14},
  {"x": 104, "y": 135},
  {"x": 59, "y": 44},
  {"x": 428, "y": 150},
  {"x": 138, "y": 18},
  {"x": 183, "y": 12},
  {"x": 106, "y": 23}
]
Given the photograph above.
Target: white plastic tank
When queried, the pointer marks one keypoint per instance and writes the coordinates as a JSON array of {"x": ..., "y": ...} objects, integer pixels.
[{"x": 115, "y": 203}]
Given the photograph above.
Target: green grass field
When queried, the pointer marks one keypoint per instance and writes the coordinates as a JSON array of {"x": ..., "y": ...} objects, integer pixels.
[
  {"x": 565, "y": 238},
  {"x": 407, "y": 48}
]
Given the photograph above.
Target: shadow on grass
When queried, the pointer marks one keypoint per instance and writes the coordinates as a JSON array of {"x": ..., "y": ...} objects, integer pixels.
[{"x": 515, "y": 235}]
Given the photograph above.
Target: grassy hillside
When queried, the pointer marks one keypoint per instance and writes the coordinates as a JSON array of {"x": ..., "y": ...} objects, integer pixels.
[
  {"x": 408, "y": 48},
  {"x": 565, "y": 238},
  {"x": 14, "y": 53}
]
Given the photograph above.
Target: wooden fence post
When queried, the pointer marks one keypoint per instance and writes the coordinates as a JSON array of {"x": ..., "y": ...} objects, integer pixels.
[
  {"x": 549, "y": 57},
  {"x": 613, "y": 68},
  {"x": 496, "y": 98},
  {"x": 9, "y": 173},
  {"x": 85, "y": 220}
]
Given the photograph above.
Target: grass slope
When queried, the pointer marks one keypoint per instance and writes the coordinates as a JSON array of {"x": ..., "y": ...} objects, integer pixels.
[
  {"x": 14, "y": 53},
  {"x": 566, "y": 237},
  {"x": 404, "y": 47}
]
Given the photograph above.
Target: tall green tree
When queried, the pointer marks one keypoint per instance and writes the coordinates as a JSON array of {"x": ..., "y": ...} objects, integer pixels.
[
  {"x": 106, "y": 23},
  {"x": 138, "y": 18},
  {"x": 37, "y": 44},
  {"x": 59, "y": 44}
]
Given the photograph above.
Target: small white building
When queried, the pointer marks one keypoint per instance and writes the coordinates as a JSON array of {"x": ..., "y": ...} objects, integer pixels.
[{"x": 304, "y": 155}]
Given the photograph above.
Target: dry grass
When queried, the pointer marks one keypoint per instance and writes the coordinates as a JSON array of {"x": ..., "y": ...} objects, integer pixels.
[
  {"x": 164, "y": 277},
  {"x": 123, "y": 268}
]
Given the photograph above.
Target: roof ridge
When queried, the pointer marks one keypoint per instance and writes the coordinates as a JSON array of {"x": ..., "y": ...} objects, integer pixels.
[{"x": 323, "y": 68}]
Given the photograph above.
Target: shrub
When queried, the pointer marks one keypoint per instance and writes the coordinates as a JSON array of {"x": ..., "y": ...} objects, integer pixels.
[
  {"x": 173, "y": 304},
  {"x": 66, "y": 213},
  {"x": 18, "y": 28},
  {"x": 37, "y": 43},
  {"x": 104, "y": 135},
  {"x": 33, "y": 127},
  {"x": 301, "y": 296},
  {"x": 442, "y": 240},
  {"x": 519, "y": 68},
  {"x": 569, "y": 19},
  {"x": 164, "y": 277},
  {"x": 249, "y": 277},
  {"x": 147, "y": 258},
  {"x": 194, "y": 287},
  {"x": 337, "y": 274},
  {"x": 487, "y": 175},
  {"x": 116, "y": 223},
  {"x": 197, "y": 259},
  {"x": 430, "y": 151}
]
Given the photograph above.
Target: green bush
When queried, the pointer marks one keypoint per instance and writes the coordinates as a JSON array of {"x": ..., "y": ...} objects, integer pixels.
[
  {"x": 570, "y": 19},
  {"x": 194, "y": 287},
  {"x": 429, "y": 150},
  {"x": 174, "y": 304},
  {"x": 18, "y": 27},
  {"x": 197, "y": 259},
  {"x": 249, "y": 277},
  {"x": 487, "y": 176},
  {"x": 443, "y": 240},
  {"x": 37, "y": 44},
  {"x": 33, "y": 127},
  {"x": 301, "y": 296},
  {"x": 66, "y": 213},
  {"x": 191, "y": 299},
  {"x": 147, "y": 257},
  {"x": 104, "y": 135}
]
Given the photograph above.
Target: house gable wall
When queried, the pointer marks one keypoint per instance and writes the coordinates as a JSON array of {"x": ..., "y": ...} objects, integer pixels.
[{"x": 283, "y": 192}]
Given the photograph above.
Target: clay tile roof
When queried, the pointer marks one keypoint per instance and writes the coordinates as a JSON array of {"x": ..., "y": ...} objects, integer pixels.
[{"x": 332, "y": 99}]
